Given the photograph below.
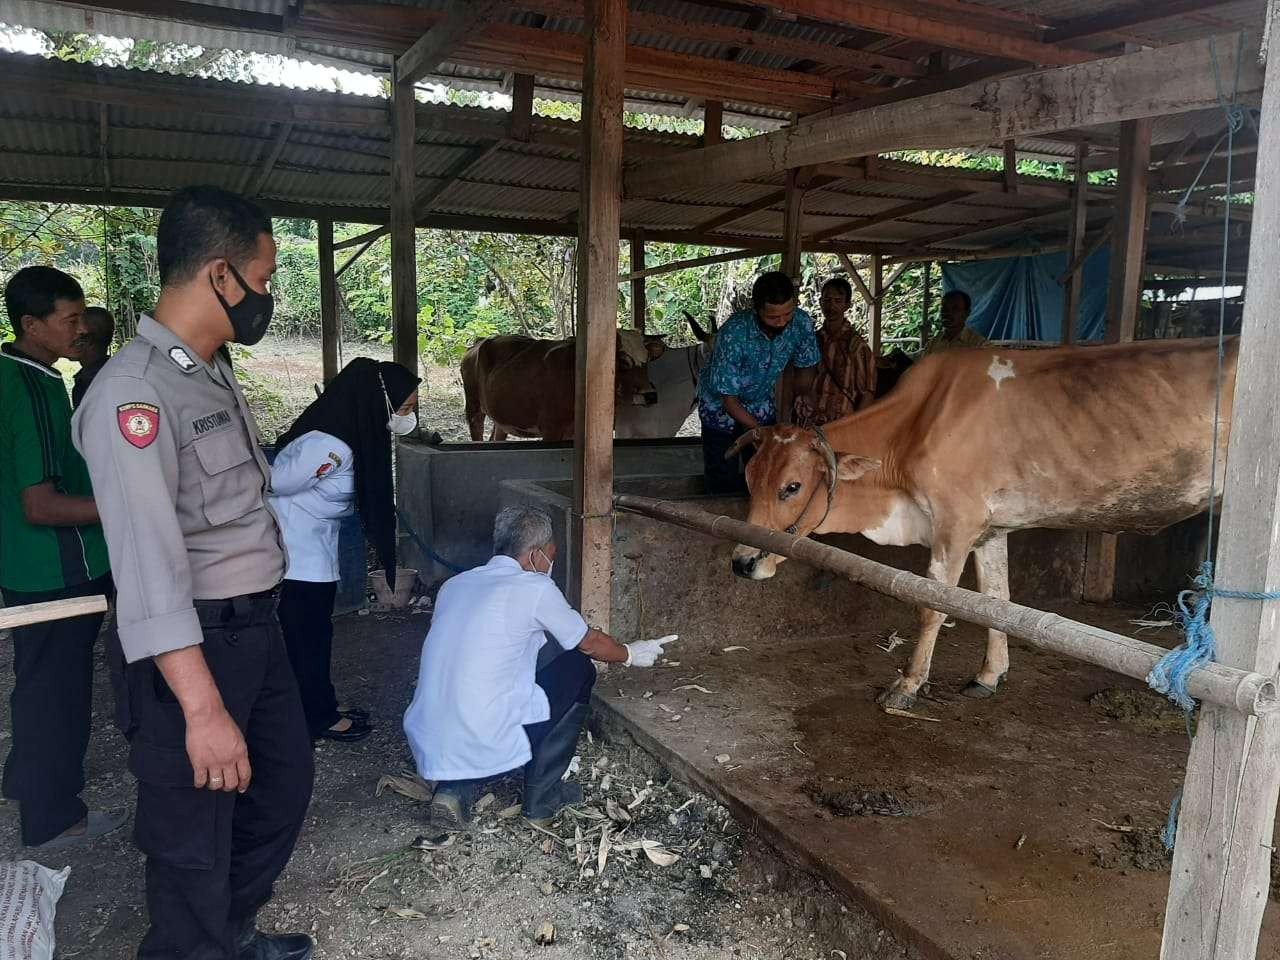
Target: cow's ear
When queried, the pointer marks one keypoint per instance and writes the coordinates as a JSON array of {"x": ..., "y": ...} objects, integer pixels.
[
  {"x": 850, "y": 466},
  {"x": 655, "y": 347}
]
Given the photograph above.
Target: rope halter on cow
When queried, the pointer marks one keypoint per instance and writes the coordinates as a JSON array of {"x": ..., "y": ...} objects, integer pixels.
[{"x": 828, "y": 454}]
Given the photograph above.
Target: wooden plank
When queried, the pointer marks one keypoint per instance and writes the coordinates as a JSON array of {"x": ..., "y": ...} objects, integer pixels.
[
  {"x": 1174, "y": 79},
  {"x": 404, "y": 263},
  {"x": 639, "y": 300},
  {"x": 104, "y": 137},
  {"x": 1010, "y": 167},
  {"x": 926, "y": 301},
  {"x": 1218, "y": 886},
  {"x": 463, "y": 19},
  {"x": 520, "y": 122},
  {"x": 674, "y": 266},
  {"x": 793, "y": 223},
  {"x": 1014, "y": 219},
  {"x": 856, "y": 278},
  {"x": 900, "y": 20},
  {"x": 202, "y": 14},
  {"x": 354, "y": 257},
  {"x": 1128, "y": 18},
  {"x": 1075, "y": 245},
  {"x": 752, "y": 37},
  {"x": 893, "y": 278},
  {"x": 738, "y": 212},
  {"x": 934, "y": 83},
  {"x": 330, "y": 330},
  {"x": 29, "y": 613},
  {"x": 1099, "y": 567},
  {"x": 1129, "y": 239},
  {"x": 596, "y": 342},
  {"x": 877, "y": 303},
  {"x": 712, "y": 122},
  {"x": 264, "y": 172},
  {"x": 887, "y": 216}
]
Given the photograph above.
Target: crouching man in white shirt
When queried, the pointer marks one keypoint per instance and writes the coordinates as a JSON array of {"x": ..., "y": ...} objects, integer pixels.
[{"x": 482, "y": 708}]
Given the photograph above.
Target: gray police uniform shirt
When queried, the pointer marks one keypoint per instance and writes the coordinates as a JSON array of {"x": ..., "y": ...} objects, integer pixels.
[{"x": 181, "y": 486}]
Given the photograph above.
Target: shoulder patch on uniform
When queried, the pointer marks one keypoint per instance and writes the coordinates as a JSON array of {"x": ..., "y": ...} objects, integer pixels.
[
  {"x": 333, "y": 461},
  {"x": 139, "y": 423},
  {"x": 182, "y": 359}
]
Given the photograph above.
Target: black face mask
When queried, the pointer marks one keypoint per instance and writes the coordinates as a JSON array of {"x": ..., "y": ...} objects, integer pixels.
[{"x": 251, "y": 316}]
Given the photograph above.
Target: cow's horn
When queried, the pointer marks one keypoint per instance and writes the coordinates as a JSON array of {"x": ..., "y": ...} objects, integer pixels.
[{"x": 751, "y": 436}]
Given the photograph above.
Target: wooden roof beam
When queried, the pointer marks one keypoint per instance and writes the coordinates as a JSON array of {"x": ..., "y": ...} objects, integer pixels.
[
  {"x": 253, "y": 185},
  {"x": 902, "y": 18},
  {"x": 1128, "y": 18},
  {"x": 887, "y": 216},
  {"x": 1173, "y": 79},
  {"x": 463, "y": 20}
]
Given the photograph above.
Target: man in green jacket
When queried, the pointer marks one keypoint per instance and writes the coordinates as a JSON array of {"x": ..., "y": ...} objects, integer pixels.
[{"x": 51, "y": 548}]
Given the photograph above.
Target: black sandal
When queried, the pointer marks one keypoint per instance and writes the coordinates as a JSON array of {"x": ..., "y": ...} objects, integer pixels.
[{"x": 358, "y": 730}]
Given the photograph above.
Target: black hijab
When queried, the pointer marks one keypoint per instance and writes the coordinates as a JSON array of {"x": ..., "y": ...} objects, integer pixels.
[{"x": 353, "y": 408}]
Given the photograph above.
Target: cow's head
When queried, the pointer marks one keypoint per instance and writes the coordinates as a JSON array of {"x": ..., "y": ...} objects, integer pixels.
[
  {"x": 631, "y": 381},
  {"x": 793, "y": 479}
]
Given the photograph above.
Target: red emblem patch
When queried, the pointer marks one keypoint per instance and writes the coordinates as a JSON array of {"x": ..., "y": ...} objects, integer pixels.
[
  {"x": 139, "y": 423},
  {"x": 324, "y": 468}
]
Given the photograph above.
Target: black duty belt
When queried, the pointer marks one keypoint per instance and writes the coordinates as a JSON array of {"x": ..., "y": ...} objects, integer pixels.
[{"x": 243, "y": 611}]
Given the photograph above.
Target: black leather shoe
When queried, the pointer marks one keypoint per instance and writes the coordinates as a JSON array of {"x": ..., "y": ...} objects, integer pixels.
[
  {"x": 358, "y": 730},
  {"x": 355, "y": 713},
  {"x": 283, "y": 946}
]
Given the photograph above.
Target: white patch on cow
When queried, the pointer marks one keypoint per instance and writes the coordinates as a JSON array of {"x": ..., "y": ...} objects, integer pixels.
[
  {"x": 784, "y": 439},
  {"x": 1000, "y": 369},
  {"x": 631, "y": 344},
  {"x": 906, "y": 524}
]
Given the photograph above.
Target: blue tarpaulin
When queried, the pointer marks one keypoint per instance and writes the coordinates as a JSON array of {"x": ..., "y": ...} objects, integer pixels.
[{"x": 1019, "y": 298}]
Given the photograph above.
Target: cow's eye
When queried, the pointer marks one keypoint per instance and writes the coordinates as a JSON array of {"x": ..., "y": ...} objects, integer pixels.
[{"x": 790, "y": 490}]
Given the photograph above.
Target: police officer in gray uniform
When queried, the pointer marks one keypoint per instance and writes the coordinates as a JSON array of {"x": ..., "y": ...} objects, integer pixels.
[{"x": 205, "y": 693}]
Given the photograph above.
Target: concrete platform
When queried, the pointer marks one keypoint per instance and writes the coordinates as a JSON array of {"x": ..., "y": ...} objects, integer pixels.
[{"x": 999, "y": 833}]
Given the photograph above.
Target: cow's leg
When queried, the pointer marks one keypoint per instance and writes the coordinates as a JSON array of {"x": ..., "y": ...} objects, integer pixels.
[
  {"x": 945, "y": 566},
  {"x": 498, "y": 433},
  {"x": 475, "y": 421},
  {"x": 992, "y": 563}
]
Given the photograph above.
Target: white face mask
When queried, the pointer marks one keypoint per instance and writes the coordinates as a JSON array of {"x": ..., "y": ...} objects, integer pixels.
[
  {"x": 551, "y": 564},
  {"x": 403, "y": 424},
  {"x": 400, "y": 424}
]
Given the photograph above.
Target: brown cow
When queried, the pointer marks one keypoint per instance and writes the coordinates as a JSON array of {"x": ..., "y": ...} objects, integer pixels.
[
  {"x": 526, "y": 386},
  {"x": 977, "y": 443}
]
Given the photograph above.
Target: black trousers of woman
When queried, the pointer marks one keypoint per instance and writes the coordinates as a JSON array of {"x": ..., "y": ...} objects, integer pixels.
[{"x": 306, "y": 615}]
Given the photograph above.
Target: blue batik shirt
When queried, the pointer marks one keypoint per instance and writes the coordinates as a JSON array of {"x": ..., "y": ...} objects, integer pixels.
[{"x": 746, "y": 364}]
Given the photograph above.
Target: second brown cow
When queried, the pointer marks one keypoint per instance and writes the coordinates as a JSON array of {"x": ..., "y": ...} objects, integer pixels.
[{"x": 526, "y": 386}]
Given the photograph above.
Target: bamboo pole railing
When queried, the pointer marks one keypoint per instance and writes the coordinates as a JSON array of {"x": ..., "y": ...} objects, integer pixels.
[{"x": 1250, "y": 693}]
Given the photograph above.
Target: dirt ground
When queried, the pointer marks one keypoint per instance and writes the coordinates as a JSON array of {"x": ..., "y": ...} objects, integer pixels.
[
  {"x": 289, "y": 369},
  {"x": 360, "y": 886}
]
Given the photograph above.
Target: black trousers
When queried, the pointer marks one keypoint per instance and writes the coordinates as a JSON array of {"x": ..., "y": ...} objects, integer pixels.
[
  {"x": 721, "y": 476},
  {"x": 306, "y": 616},
  {"x": 213, "y": 857},
  {"x": 51, "y": 706},
  {"x": 566, "y": 680}
]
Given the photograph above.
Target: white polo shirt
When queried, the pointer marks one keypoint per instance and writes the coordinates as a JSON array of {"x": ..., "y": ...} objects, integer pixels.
[
  {"x": 313, "y": 486},
  {"x": 476, "y": 688}
]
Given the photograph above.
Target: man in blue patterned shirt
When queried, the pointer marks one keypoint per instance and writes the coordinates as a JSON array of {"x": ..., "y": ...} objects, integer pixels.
[{"x": 736, "y": 393}]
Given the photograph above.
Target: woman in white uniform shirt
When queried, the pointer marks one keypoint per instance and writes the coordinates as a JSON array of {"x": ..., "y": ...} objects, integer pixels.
[{"x": 337, "y": 456}]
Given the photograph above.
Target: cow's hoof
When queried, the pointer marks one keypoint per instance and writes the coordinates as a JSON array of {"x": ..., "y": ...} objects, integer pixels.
[
  {"x": 977, "y": 690},
  {"x": 894, "y": 699}
]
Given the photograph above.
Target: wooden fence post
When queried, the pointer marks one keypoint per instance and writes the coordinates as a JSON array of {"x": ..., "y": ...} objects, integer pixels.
[
  {"x": 639, "y": 302},
  {"x": 330, "y": 329},
  {"x": 404, "y": 262}
]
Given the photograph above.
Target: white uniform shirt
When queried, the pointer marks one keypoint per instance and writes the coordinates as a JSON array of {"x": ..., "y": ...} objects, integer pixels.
[
  {"x": 313, "y": 486},
  {"x": 476, "y": 688}
]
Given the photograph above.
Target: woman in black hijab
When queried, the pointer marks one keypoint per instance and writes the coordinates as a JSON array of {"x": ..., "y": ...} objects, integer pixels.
[{"x": 334, "y": 459}]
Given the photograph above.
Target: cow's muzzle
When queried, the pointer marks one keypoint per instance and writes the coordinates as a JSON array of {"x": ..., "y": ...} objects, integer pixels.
[
  {"x": 650, "y": 397},
  {"x": 753, "y": 564}
]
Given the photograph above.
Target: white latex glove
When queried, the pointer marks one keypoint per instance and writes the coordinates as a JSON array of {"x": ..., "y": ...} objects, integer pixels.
[{"x": 645, "y": 653}]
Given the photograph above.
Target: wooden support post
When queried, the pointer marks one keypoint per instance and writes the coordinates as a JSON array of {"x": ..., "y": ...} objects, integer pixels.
[
  {"x": 1010, "y": 167},
  {"x": 1099, "y": 567},
  {"x": 877, "y": 302},
  {"x": 712, "y": 122},
  {"x": 330, "y": 330},
  {"x": 1129, "y": 240},
  {"x": 638, "y": 303},
  {"x": 599, "y": 227},
  {"x": 793, "y": 225},
  {"x": 520, "y": 125},
  {"x": 404, "y": 263},
  {"x": 1075, "y": 245},
  {"x": 1218, "y": 887},
  {"x": 926, "y": 301}
]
